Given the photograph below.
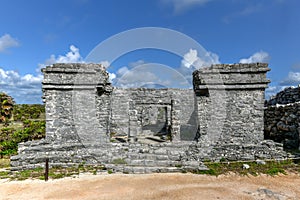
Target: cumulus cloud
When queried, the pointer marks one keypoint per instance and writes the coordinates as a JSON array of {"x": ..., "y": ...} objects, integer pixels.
[
  {"x": 272, "y": 91},
  {"x": 260, "y": 56},
  {"x": 151, "y": 75},
  {"x": 6, "y": 42},
  {"x": 105, "y": 63},
  {"x": 189, "y": 58},
  {"x": 292, "y": 79},
  {"x": 27, "y": 88},
  {"x": 141, "y": 73},
  {"x": 192, "y": 61},
  {"x": 132, "y": 76},
  {"x": 181, "y": 6},
  {"x": 24, "y": 89},
  {"x": 73, "y": 56}
]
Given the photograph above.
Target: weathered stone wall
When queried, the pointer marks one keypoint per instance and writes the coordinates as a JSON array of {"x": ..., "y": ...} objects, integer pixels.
[
  {"x": 230, "y": 102},
  {"x": 145, "y": 99},
  {"x": 282, "y": 124},
  {"x": 72, "y": 95},
  {"x": 282, "y": 118}
]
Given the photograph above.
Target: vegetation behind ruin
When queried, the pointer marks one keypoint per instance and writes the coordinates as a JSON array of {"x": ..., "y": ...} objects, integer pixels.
[{"x": 19, "y": 123}]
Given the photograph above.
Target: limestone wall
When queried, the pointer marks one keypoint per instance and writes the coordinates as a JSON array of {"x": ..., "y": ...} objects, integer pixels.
[
  {"x": 230, "y": 102},
  {"x": 72, "y": 95},
  {"x": 143, "y": 100},
  {"x": 282, "y": 118}
]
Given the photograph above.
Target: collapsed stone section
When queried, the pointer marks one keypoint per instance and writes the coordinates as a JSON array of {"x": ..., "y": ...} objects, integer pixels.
[
  {"x": 223, "y": 114},
  {"x": 282, "y": 124},
  {"x": 282, "y": 118},
  {"x": 287, "y": 96}
]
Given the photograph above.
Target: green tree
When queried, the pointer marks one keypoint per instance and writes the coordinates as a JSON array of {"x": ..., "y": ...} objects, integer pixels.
[{"x": 6, "y": 107}]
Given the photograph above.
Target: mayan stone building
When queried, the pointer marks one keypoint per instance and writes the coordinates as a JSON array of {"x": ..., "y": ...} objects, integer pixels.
[{"x": 151, "y": 130}]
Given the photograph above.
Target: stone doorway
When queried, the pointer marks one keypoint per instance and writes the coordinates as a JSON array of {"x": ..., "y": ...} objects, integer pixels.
[{"x": 152, "y": 122}]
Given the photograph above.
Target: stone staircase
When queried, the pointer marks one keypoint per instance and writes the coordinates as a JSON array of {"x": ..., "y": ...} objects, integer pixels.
[
  {"x": 116, "y": 157},
  {"x": 155, "y": 158}
]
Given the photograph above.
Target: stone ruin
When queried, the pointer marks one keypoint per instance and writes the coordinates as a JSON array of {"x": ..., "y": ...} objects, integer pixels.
[
  {"x": 151, "y": 130},
  {"x": 282, "y": 118}
]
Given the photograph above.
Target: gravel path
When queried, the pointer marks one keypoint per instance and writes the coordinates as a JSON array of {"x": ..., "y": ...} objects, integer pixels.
[{"x": 156, "y": 186}]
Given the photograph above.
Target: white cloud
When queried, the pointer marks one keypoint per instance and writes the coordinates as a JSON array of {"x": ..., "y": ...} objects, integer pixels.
[
  {"x": 24, "y": 89},
  {"x": 112, "y": 76},
  {"x": 105, "y": 64},
  {"x": 181, "y": 6},
  {"x": 271, "y": 91},
  {"x": 27, "y": 88},
  {"x": 6, "y": 41},
  {"x": 260, "y": 56},
  {"x": 73, "y": 56},
  {"x": 189, "y": 58},
  {"x": 122, "y": 71},
  {"x": 137, "y": 78},
  {"x": 192, "y": 61},
  {"x": 132, "y": 76},
  {"x": 293, "y": 79},
  {"x": 142, "y": 74}
]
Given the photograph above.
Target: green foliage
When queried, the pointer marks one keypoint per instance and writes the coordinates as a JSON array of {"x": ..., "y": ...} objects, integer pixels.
[
  {"x": 6, "y": 108},
  {"x": 31, "y": 125},
  {"x": 275, "y": 171},
  {"x": 211, "y": 172},
  {"x": 22, "y": 112},
  {"x": 270, "y": 168},
  {"x": 4, "y": 174},
  {"x": 9, "y": 137}
]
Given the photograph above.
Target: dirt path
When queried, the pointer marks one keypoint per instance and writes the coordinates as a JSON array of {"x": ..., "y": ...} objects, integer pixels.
[{"x": 156, "y": 186}]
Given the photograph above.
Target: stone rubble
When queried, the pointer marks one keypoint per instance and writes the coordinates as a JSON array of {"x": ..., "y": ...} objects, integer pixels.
[{"x": 282, "y": 118}]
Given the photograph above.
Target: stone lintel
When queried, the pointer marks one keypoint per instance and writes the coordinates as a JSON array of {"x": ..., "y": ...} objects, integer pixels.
[
  {"x": 236, "y": 68},
  {"x": 232, "y": 77},
  {"x": 75, "y": 76},
  {"x": 69, "y": 87},
  {"x": 73, "y": 68},
  {"x": 232, "y": 87}
]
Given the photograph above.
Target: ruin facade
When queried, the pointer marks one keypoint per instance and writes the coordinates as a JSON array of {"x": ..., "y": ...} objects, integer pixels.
[{"x": 151, "y": 130}]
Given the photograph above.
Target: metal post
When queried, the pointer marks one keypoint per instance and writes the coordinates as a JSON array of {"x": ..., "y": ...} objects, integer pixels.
[{"x": 47, "y": 169}]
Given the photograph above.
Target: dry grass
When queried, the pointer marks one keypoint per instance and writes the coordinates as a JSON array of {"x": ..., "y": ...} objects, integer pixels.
[{"x": 4, "y": 163}]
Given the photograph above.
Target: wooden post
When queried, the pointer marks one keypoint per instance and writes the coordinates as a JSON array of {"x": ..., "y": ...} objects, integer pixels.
[{"x": 46, "y": 169}]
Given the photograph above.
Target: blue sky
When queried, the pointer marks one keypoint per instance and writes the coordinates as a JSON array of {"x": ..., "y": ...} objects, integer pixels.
[{"x": 36, "y": 33}]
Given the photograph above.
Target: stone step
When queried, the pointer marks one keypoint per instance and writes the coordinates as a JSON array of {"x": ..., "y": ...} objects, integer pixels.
[
  {"x": 153, "y": 163},
  {"x": 150, "y": 156},
  {"x": 142, "y": 169}
]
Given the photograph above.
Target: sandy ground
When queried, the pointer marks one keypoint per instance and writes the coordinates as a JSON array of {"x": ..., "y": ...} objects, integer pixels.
[{"x": 155, "y": 186}]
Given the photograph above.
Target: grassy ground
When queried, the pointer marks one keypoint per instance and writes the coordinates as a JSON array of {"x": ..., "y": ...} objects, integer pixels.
[
  {"x": 215, "y": 169},
  {"x": 255, "y": 168},
  {"x": 4, "y": 163},
  {"x": 14, "y": 125},
  {"x": 39, "y": 173}
]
